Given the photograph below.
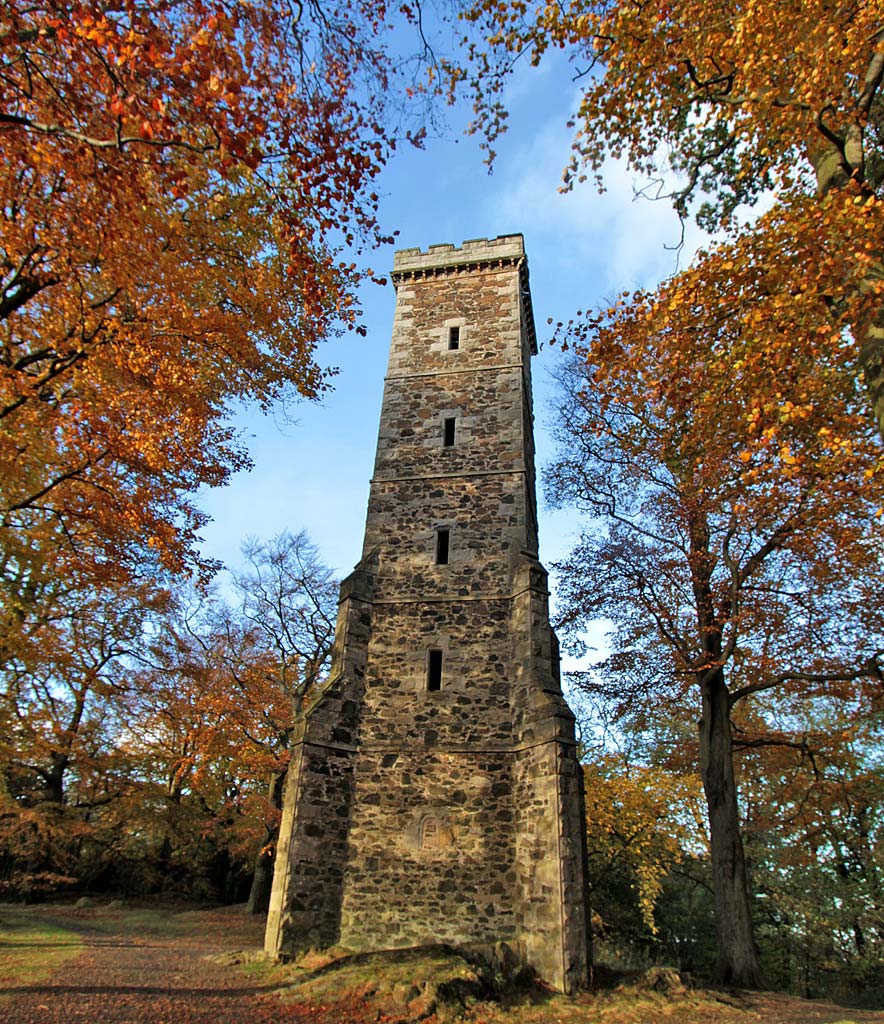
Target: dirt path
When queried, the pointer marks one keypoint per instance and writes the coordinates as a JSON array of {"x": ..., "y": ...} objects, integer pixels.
[
  {"x": 149, "y": 971},
  {"x": 150, "y": 967},
  {"x": 776, "y": 1008}
]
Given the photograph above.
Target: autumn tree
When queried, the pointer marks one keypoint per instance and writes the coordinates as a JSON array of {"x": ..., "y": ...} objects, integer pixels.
[
  {"x": 220, "y": 689},
  {"x": 813, "y": 826},
  {"x": 734, "y": 560},
  {"x": 808, "y": 775},
  {"x": 179, "y": 182},
  {"x": 639, "y": 822},
  {"x": 289, "y": 599},
  {"x": 742, "y": 101},
  {"x": 145, "y": 737},
  {"x": 203, "y": 703},
  {"x": 63, "y": 709}
]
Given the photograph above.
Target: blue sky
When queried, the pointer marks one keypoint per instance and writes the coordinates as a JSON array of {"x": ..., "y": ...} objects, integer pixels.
[{"x": 582, "y": 249}]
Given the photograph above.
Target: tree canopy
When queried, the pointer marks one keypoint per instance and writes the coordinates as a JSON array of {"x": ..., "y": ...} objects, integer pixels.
[
  {"x": 742, "y": 101},
  {"x": 735, "y": 576},
  {"x": 187, "y": 187},
  {"x": 180, "y": 181}
]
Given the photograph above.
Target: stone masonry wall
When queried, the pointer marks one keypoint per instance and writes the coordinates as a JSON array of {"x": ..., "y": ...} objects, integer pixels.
[
  {"x": 419, "y": 814},
  {"x": 452, "y": 884},
  {"x": 485, "y": 516},
  {"x": 550, "y": 826},
  {"x": 472, "y": 706},
  {"x": 311, "y": 855}
]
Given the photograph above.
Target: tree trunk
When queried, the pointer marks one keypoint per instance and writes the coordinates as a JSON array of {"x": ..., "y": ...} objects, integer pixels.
[
  {"x": 262, "y": 880},
  {"x": 55, "y": 777},
  {"x": 871, "y": 362},
  {"x": 737, "y": 958}
]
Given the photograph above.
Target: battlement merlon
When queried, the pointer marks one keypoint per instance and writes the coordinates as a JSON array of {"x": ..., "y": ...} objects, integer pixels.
[{"x": 505, "y": 250}]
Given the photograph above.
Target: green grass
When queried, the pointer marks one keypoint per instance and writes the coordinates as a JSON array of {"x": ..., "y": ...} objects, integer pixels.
[
  {"x": 166, "y": 923},
  {"x": 31, "y": 949},
  {"x": 144, "y": 922}
]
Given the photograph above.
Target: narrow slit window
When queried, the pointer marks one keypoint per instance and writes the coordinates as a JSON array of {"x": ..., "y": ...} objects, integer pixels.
[
  {"x": 453, "y": 338},
  {"x": 448, "y": 432},
  {"x": 434, "y": 670},
  {"x": 443, "y": 538}
]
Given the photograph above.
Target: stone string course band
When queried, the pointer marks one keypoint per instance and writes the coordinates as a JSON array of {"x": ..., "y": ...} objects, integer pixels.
[{"x": 434, "y": 793}]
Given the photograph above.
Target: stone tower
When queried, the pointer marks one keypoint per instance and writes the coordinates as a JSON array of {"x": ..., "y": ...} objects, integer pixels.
[{"x": 434, "y": 793}]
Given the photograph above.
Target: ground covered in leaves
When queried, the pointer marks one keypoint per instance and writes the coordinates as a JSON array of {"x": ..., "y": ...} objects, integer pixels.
[{"x": 175, "y": 965}]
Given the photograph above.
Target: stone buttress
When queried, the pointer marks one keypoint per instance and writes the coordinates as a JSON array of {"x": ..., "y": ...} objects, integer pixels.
[{"x": 434, "y": 793}]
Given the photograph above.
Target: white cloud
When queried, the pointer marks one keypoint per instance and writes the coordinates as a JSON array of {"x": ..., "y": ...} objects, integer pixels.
[{"x": 620, "y": 239}]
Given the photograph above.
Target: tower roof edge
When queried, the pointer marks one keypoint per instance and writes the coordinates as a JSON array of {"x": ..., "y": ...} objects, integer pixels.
[
  {"x": 473, "y": 253},
  {"x": 474, "y": 250}
]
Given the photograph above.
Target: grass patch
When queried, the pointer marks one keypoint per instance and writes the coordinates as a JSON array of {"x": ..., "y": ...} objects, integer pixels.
[
  {"x": 32, "y": 948},
  {"x": 437, "y": 984},
  {"x": 164, "y": 922},
  {"x": 143, "y": 922},
  {"x": 190, "y": 926},
  {"x": 624, "y": 1006},
  {"x": 440, "y": 985}
]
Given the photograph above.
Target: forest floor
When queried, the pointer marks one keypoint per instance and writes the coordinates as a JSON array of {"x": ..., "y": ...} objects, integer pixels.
[{"x": 166, "y": 964}]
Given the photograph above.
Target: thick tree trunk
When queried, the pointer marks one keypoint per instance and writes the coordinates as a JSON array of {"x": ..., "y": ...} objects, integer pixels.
[
  {"x": 55, "y": 777},
  {"x": 737, "y": 958}
]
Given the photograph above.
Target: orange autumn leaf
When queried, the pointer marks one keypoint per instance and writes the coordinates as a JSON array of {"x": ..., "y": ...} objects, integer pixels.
[{"x": 175, "y": 179}]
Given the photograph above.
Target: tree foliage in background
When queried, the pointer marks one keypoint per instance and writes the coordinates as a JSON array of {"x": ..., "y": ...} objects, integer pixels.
[
  {"x": 148, "y": 750},
  {"x": 735, "y": 579},
  {"x": 289, "y": 599},
  {"x": 815, "y": 838},
  {"x": 63, "y": 711},
  {"x": 639, "y": 824},
  {"x": 809, "y": 779},
  {"x": 742, "y": 100}
]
